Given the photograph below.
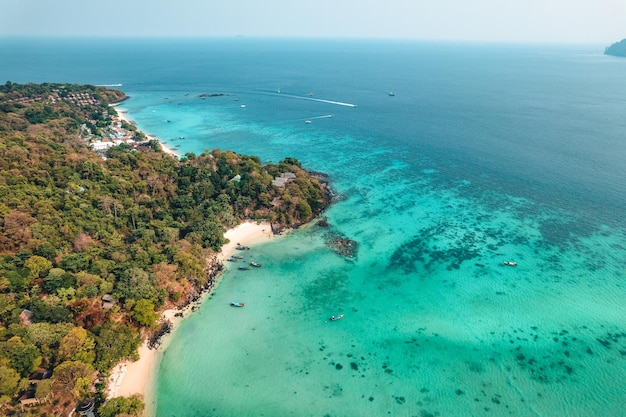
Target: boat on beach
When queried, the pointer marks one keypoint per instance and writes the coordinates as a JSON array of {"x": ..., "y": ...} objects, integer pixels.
[
  {"x": 510, "y": 263},
  {"x": 337, "y": 317},
  {"x": 236, "y": 304}
]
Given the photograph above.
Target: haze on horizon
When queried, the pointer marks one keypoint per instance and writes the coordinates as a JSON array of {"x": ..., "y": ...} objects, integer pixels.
[{"x": 551, "y": 21}]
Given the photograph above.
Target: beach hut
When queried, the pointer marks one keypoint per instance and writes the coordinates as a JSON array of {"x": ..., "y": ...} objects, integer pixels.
[
  {"x": 25, "y": 317},
  {"x": 108, "y": 301}
]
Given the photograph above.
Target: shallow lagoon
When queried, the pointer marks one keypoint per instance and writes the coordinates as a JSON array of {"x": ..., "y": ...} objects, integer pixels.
[{"x": 486, "y": 153}]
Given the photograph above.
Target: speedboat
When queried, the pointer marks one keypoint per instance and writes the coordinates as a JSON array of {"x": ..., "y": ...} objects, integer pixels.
[
  {"x": 236, "y": 304},
  {"x": 510, "y": 263},
  {"x": 337, "y": 317}
]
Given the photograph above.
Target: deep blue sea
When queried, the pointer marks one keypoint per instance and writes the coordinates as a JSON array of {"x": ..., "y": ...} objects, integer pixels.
[{"x": 484, "y": 153}]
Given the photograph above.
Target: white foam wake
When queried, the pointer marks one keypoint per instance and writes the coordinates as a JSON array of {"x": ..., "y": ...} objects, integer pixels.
[
  {"x": 338, "y": 103},
  {"x": 326, "y": 116}
]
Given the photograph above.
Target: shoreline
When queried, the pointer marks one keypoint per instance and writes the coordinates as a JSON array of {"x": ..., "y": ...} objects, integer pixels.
[
  {"x": 128, "y": 378},
  {"x": 123, "y": 115}
]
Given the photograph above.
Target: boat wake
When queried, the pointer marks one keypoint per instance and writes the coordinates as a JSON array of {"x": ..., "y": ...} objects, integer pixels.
[
  {"x": 326, "y": 116},
  {"x": 337, "y": 103}
]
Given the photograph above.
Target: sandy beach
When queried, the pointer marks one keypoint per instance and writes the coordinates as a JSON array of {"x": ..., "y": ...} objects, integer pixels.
[
  {"x": 123, "y": 115},
  {"x": 128, "y": 378}
]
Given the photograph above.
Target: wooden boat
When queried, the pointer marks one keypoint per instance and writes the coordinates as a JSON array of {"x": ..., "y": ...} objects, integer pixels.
[
  {"x": 337, "y": 317},
  {"x": 236, "y": 304},
  {"x": 255, "y": 264},
  {"x": 509, "y": 263}
]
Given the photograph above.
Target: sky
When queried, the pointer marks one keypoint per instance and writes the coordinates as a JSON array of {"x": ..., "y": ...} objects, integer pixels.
[{"x": 550, "y": 21}]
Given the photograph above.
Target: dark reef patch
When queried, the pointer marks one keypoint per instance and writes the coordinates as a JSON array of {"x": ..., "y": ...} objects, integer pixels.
[
  {"x": 426, "y": 249},
  {"x": 341, "y": 245},
  {"x": 400, "y": 400}
]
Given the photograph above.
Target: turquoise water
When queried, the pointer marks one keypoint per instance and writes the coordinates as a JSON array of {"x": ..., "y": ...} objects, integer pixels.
[{"x": 485, "y": 153}]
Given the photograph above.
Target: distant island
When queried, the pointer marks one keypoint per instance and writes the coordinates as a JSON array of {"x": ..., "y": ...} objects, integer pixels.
[{"x": 617, "y": 49}]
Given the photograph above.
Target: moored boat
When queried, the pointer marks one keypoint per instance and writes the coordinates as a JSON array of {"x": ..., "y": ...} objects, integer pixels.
[
  {"x": 337, "y": 317},
  {"x": 510, "y": 263},
  {"x": 255, "y": 264},
  {"x": 243, "y": 268},
  {"x": 236, "y": 304}
]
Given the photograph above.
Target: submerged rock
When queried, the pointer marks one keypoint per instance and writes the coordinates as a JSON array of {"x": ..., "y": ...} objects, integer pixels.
[{"x": 341, "y": 245}]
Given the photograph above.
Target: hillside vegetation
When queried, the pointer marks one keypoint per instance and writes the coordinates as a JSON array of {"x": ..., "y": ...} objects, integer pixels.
[
  {"x": 616, "y": 49},
  {"x": 137, "y": 227}
]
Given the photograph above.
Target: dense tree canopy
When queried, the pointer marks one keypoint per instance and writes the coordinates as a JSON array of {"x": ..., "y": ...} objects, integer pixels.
[{"x": 135, "y": 226}]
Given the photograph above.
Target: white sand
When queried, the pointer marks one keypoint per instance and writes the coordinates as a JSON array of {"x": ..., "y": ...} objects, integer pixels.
[
  {"x": 128, "y": 378},
  {"x": 124, "y": 116}
]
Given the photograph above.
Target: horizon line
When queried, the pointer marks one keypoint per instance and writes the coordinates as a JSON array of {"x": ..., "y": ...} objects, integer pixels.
[{"x": 298, "y": 38}]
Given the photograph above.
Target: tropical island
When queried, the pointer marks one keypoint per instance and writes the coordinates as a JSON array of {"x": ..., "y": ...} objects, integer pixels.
[
  {"x": 101, "y": 230},
  {"x": 616, "y": 49}
]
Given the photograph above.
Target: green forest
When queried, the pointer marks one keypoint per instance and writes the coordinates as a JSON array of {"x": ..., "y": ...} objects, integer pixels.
[{"x": 135, "y": 226}]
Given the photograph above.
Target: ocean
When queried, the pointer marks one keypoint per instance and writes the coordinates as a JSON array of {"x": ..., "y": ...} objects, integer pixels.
[{"x": 449, "y": 159}]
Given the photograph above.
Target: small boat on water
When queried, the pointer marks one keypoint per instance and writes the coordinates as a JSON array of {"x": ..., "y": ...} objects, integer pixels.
[
  {"x": 236, "y": 304},
  {"x": 337, "y": 317},
  {"x": 307, "y": 122},
  {"x": 243, "y": 268},
  {"x": 391, "y": 94},
  {"x": 242, "y": 247},
  {"x": 237, "y": 256},
  {"x": 255, "y": 264},
  {"x": 510, "y": 263},
  {"x": 232, "y": 259}
]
